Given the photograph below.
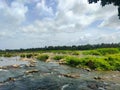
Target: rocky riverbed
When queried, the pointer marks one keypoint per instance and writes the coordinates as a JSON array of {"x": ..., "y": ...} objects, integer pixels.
[{"x": 19, "y": 74}]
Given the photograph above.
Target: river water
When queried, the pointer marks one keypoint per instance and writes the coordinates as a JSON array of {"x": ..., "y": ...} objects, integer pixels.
[{"x": 50, "y": 76}]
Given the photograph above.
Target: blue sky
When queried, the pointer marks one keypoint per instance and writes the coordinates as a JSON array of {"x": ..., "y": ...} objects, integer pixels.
[{"x": 39, "y": 23}]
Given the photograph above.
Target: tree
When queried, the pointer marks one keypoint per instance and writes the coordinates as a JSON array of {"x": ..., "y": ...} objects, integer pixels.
[{"x": 106, "y": 2}]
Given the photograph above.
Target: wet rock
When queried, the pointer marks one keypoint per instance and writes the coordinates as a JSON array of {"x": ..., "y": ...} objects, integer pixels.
[
  {"x": 70, "y": 75},
  {"x": 97, "y": 78},
  {"x": 15, "y": 66},
  {"x": 93, "y": 86},
  {"x": 33, "y": 61},
  {"x": 11, "y": 79},
  {"x": 31, "y": 64},
  {"x": 32, "y": 71}
]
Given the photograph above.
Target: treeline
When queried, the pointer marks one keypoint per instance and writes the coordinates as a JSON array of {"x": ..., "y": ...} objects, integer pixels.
[{"x": 80, "y": 47}]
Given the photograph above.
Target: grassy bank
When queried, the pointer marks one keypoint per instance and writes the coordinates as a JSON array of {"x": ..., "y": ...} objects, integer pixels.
[{"x": 97, "y": 59}]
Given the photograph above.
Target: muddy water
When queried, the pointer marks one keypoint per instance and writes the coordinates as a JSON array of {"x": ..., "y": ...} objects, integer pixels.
[{"x": 50, "y": 76}]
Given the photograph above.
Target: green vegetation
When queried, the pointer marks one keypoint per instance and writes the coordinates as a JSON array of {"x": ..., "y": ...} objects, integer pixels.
[
  {"x": 8, "y": 55},
  {"x": 43, "y": 57},
  {"x": 76, "y": 53},
  {"x": 58, "y": 57},
  {"x": 95, "y": 59},
  {"x": 95, "y": 63}
]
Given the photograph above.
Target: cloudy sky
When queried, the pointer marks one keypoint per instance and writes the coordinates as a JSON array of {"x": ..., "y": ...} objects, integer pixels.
[{"x": 39, "y": 23}]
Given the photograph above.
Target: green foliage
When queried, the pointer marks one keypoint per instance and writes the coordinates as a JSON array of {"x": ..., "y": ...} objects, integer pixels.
[
  {"x": 75, "y": 53},
  {"x": 103, "y": 51},
  {"x": 58, "y": 57},
  {"x": 91, "y": 52},
  {"x": 95, "y": 63},
  {"x": 8, "y": 55},
  {"x": 106, "y": 51},
  {"x": 43, "y": 57},
  {"x": 22, "y": 55},
  {"x": 29, "y": 55}
]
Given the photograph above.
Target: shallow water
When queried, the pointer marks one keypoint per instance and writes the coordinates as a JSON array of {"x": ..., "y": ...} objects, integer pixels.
[
  {"x": 11, "y": 61},
  {"x": 49, "y": 77}
]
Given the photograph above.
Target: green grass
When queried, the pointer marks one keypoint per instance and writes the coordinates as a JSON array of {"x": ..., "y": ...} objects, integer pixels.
[
  {"x": 8, "y": 55},
  {"x": 43, "y": 57},
  {"x": 98, "y": 59},
  {"x": 95, "y": 63},
  {"x": 58, "y": 57}
]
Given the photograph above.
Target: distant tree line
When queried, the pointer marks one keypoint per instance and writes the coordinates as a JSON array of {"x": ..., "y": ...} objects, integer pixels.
[{"x": 80, "y": 47}]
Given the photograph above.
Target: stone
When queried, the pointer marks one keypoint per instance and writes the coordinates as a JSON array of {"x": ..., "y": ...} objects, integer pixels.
[
  {"x": 32, "y": 71},
  {"x": 97, "y": 78},
  {"x": 48, "y": 60},
  {"x": 70, "y": 75},
  {"x": 15, "y": 66}
]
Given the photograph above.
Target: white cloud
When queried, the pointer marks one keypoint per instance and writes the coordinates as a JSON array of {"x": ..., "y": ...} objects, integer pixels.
[
  {"x": 70, "y": 24},
  {"x": 43, "y": 9}
]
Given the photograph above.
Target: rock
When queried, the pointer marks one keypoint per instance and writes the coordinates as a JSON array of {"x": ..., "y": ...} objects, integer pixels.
[
  {"x": 11, "y": 79},
  {"x": 33, "y": 61},
  {"x": 70, "y": 75},
  {"x": 62, "y": 62},
  {"x": 48, "y": 60},
  {"x": 31, "y": 71},
  {"x": 93, "y": 86},
  {"x": 31, "y": 65},
  {"x": 88, "y": 69},
  {"x": 97, "y": 78},
  {"x": 15, "y": 66}
]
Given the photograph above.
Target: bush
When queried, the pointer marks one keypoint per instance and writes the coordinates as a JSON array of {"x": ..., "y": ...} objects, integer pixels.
[
  {"x": 8, "y": 55},
  {"x": 72, "y": 61},
  {"x": 43, "y": 57},
  {"x": 22, "y": 55},
  {"x": 29, "y": 55},
  {"x": 58, "y": 57},
  {"x": 75, "y": 53}
]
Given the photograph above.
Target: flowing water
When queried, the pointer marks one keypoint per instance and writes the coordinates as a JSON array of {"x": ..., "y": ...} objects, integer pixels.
[{"x": 50, "y": 76}]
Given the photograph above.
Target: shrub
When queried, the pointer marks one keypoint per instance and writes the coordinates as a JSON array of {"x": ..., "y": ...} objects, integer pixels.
[
  {"x": 72, "y": 61},
  {"x": 43, "y": 57},
  {"x": 75, "y": 53},
  {"x": 8, "y": 55},
  {"x": 58, "y": 57},
  {"x": 29, "y": 55},
  {"x": 22, "y": 55}
]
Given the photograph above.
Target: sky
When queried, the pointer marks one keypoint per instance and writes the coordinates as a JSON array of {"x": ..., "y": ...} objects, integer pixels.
[{"x": 39, "y": 23}]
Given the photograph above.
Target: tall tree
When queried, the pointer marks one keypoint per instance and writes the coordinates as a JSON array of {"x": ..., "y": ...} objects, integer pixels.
[{"x": 106, "y": 2}]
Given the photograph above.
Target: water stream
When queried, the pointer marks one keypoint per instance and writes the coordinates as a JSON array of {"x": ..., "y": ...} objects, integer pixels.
[{"x": 50, "y": 76}]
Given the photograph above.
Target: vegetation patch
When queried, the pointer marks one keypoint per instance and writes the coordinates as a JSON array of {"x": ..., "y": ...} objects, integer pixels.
[
  {"x": 43, "y": 57},
  {"x": 58, "y": 57},
  {"x": 95, "y": 63}
]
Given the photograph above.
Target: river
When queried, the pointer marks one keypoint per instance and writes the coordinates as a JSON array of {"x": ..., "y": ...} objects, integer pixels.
[{"x": 52, "y": 76}]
